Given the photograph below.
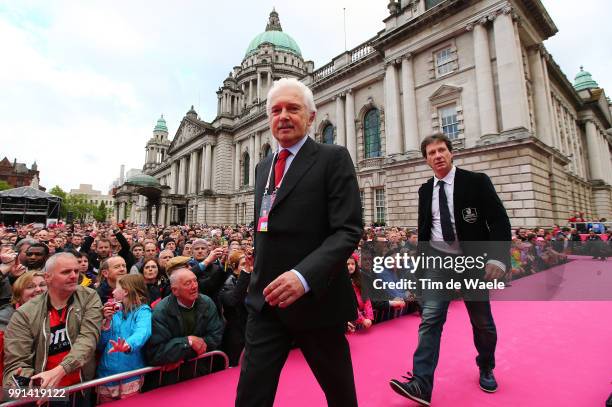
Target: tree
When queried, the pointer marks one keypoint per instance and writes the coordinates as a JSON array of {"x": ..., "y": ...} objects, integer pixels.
[
  {"x": 5, "y": 185},
  {"x": 79, "y": 206},
  {"x": 101, "y": 212},
  {"x": 57, "y": 191}
]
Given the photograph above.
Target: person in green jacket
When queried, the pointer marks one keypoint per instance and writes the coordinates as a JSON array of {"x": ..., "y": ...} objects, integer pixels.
[{"x": 186, "y": 324}]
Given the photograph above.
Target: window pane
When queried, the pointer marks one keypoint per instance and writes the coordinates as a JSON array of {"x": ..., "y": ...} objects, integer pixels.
[
  {"x": 372, "y": 134},
  {"x": 449, "y": 125},
  {"x": 328, "y": 134},
  {"x": 379, "y": 199},
  {"x": 431, "y": 3},
  {"x": 444, "y": 63}
]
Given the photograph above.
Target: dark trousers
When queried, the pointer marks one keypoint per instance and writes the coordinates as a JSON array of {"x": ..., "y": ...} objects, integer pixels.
[
  {"x": 426, "y": 355},
  {"x": 268, "y": 342}
]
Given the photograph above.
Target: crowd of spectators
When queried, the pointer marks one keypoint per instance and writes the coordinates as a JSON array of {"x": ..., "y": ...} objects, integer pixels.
[{"x": 89, "y": 300}]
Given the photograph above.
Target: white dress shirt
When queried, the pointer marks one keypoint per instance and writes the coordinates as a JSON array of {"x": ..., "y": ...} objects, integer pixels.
[
  {"x": 294, "y": 149},
  {"x": 437, "y": 238}
]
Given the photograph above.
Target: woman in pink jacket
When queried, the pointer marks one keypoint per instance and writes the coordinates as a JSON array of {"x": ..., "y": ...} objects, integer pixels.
[{"x": 365, "y": 315}]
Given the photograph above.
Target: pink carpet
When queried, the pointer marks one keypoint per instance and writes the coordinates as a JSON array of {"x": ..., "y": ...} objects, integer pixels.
[{"x": 549, "y": 354}]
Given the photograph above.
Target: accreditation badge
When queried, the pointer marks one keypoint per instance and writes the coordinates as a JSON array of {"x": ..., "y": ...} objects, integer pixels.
[{"x": 266, "y": 204}]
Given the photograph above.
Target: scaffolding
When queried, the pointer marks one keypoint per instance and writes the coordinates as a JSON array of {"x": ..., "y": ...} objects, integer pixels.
[{"x": 27, "y": 205}]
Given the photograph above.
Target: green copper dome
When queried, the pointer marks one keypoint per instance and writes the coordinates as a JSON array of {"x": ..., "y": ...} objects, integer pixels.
[
  {"x": 274, "y": 35},
  {"x": 584, "y": 80},
  {"x": 143, "y": 180},
  {"x": 161, "y": 125}
]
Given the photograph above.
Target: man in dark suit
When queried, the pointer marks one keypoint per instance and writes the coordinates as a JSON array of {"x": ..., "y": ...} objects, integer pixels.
[
  {"x": 460, "y": 214},
  {"x": 308, "y": 222}
]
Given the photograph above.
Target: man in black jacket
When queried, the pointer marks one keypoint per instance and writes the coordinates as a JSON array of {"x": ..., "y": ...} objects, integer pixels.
[
  {"x": 104, "y": 249},
  {"x": 209, "y": 272},
  {"x": 460, "y": 214},
  {"x": 308, "y": 222}
]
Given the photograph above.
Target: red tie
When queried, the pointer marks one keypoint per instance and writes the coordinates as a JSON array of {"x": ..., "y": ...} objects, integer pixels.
[{"x": 279, "y": 167}]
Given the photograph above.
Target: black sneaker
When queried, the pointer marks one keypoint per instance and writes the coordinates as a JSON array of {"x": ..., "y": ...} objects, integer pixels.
[
  {"x": 411, "y": 389},
  {"x": 487, "y": 381}
]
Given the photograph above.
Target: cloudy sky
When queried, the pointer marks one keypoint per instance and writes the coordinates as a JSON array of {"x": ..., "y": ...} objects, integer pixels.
[{"x": 83, "y": 83}]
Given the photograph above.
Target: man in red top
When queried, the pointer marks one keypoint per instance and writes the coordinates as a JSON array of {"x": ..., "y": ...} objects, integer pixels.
[{"x": 53, "y": 337}]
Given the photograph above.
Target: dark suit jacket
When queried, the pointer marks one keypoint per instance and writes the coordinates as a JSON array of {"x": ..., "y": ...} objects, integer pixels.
[
  {"x": 489, "y": 223},
  {"x": 314, "y": 225}
]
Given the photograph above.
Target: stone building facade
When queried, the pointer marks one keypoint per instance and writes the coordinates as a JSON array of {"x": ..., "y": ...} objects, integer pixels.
[{"x": 476, "y": 70}]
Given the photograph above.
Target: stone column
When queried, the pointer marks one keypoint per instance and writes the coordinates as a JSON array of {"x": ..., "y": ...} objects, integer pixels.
[
  {"x": 411, "y": 127},
  {"x": 593, "y": 147},
  {"x": 133, "y": 211},
  {"x": 512, "y": 97},
  {"x": 392, "y": 112},
  {"x": 122, "y": 211},
  {"x": 203, "y": 168},
  {"x": 484, "y": 80},
  {"x": 237, "y": 166},
  {"x": 192, "y": 174},
  {"x": 250, "y": 98},
  {"x": 340, "y": 120},
  {"x": 162, "y": 215},
  {"x": 258, "y": 85},
  {"x": 553, "y": 134},
  {"x": 173, "y": 170},
  {"x": 256, "y": 151},
  {"x": 351, "y": 135},
  {"x": 208, "y": 169},
  {"x": 604, "y": 157},
  {"x": 542, "y": 116},
  {"x": 154, "y": 211},
  {"x": 252, "y": 160},
  {"x": 181, "y": 176}
]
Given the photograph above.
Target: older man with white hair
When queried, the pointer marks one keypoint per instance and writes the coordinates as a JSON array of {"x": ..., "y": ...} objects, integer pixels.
[
  {"x": 185, "y": 325},
  {"x": 308, "y": 222},
  {"x": 53, "y": 337}
]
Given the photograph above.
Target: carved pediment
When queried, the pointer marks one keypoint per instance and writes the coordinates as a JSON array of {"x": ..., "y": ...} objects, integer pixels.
[
  {"x": 445, "y": 93},
  {"x": 188, "y": 130}
]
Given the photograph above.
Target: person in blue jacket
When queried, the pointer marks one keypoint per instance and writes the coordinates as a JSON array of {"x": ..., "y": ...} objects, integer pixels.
[{"x": 125, "y": 331}]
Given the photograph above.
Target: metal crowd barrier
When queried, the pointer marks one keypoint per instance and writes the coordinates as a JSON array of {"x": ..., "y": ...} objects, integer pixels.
[{"x": 127, "y": 375}]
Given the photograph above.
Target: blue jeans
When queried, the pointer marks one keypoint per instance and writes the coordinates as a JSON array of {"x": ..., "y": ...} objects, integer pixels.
[{"x": 426, "y": 355}]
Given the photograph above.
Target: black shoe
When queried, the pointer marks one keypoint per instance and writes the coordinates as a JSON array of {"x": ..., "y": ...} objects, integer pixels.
[
  {"x": 411, "y": 389},
  {"x": 487, "y": 381}
]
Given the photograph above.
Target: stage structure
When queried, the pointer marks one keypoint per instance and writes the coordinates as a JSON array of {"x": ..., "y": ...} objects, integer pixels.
[{"x": 27, "y": 205}]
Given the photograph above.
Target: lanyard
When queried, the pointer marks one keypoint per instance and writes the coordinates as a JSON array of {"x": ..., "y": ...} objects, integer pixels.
[{"x": 270, "y": 174}]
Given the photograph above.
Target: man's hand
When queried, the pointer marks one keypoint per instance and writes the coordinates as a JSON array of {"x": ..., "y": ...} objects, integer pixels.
[
  {"x": 397, "y": 303},
  {"x": 214, "y": 255},
  {"x": 367, "y": 323},
  {"x": 350, "y": 327},
  {"x": 493, "y": 272},
  {"x": 8, "y": 257},
  {"x": 197, "y": 344},
  {"x": 50, "y": 378},
  {"x": 284, "y": 290}
]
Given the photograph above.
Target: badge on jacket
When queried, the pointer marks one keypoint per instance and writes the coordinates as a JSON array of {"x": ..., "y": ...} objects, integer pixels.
[{"x": 470, "y": 215}]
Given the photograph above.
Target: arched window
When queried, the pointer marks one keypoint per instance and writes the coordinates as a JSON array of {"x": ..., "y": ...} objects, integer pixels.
[
  {"x": 246, "y": 164},
  {"x": 371, "y": 131},
  {"x": 328, "y": 134},
  {"x": 266, "y": 150}
]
